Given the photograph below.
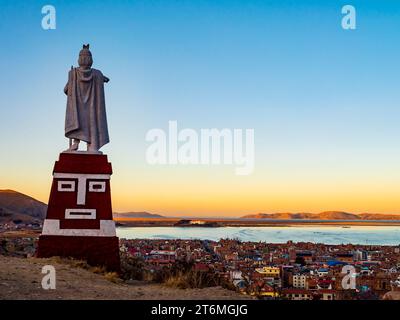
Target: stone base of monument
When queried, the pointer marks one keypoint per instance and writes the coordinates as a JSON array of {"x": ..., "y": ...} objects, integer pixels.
[
  {"x": 97, "y": 251},
  {"x": 79, "y": 220}
]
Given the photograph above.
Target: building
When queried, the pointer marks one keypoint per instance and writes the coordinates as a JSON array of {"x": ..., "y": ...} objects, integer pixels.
[
  {"x": 322, "y": 272},
  {"x": 345, "y": 257},
  {"x": 161, "y": 257},
  {"x": 296, "y": 294},
  {"x": 197, "y": 222},
  {"x": 305, "y": 256},
  {"x": 271, "y": 272},
  {"x": 299, "y": 281},
  {"x": 327, "y": 294}
]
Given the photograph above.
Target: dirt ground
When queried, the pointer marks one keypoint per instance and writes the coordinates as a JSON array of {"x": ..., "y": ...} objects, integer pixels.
[{"x": 20, "y": 278}]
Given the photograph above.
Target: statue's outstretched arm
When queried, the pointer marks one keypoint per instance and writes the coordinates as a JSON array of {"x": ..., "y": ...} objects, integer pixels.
[
  {"x": 106, "y": 79},
  {"x": 66, "y": 86}
]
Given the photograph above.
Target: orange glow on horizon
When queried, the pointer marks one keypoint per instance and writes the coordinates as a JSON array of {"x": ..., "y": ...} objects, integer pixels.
[{"x": 219, "y": 193}]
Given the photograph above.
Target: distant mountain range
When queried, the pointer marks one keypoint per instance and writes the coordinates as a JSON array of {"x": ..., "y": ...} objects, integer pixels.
[
  {"x": 136, "y": 215},
  {"x": 18, "y": 207},
  {"x": 15, "y": 206},
  {"x": 326, "y": 215}
]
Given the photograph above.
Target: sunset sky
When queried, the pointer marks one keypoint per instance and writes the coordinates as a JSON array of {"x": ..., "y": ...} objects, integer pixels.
[{"x": 324, "y": 102}]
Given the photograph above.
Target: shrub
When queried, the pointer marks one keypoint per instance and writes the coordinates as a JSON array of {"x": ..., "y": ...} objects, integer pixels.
[
  {"x": 132, "y": 268},
  {"x": 112, "y": 276},
  {"x": 191, "y": 279}
]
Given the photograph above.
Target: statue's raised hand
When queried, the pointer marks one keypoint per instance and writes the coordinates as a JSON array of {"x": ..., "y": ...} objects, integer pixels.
[{"x": 106, "y": 79}]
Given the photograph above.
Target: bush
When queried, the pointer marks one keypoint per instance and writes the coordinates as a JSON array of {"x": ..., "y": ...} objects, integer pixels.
[
  {"x": 132, "y": 268},
  {"x": 191, "y": 279}
]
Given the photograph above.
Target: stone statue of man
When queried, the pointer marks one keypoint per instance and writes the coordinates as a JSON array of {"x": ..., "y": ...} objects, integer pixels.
[{"x": 86, "y": 118}]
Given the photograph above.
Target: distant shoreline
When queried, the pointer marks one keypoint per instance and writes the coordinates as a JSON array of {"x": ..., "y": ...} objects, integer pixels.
[{"x": 169, "y": 222}]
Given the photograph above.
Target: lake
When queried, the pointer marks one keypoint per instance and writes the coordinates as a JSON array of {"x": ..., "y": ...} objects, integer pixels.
[{"x": 380, "y": 235}]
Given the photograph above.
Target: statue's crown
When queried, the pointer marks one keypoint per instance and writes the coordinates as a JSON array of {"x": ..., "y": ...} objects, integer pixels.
[{"x": 85, "y": 51}]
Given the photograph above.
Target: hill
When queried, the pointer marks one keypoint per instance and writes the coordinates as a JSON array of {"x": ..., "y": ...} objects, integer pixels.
[
  {"x": 19, "y": 280},
  {"x": 337, "y": 215},
  {"x": 136, "y": 215},
  {"x": 379, "y": 216},
  {"x": 17, "y": 206},
  {"x": 327, "y": 215},
  {"x": 279, "y": 216}
]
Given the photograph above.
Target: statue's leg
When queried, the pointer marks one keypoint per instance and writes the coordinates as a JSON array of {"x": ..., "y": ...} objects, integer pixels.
[
  {"x": 75, "y": 145},
  {"x": 92, "y": 147}
]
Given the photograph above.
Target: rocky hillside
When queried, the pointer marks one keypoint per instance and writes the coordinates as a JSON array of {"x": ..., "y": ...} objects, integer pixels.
[
  {"x": 15, "y": 206},
  {"x": 327, "y": 215},
  {"x": 337, "y": 215},
  {"x": 379, "y": 216}
]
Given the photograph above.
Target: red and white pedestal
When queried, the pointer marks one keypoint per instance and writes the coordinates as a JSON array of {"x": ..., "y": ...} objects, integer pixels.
[{"x": 79, "y": 220}]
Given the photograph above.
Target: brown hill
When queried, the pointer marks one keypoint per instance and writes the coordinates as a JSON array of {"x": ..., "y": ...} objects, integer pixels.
[
  {"x": 327, "y": 215},
  {"x": 17, "y": 206},
  {"x": 379, "y": 216},
  {"x": 136, "y": 215},
  {"x": 337, "y": 215},
  {"x": 280, "y": 216}
]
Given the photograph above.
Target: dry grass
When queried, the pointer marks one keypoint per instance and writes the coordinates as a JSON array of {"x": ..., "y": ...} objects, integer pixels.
[
  {"x": 98, "y": 269},
  {"x": 177, "y": 281},
  {"x": 190, "y": 279},
  {"x": 112, "y": 277},
  {"x": 73, "y": 263}
]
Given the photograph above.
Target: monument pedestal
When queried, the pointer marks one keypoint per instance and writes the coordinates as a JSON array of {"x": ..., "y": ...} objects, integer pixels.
[{"x": 79, "y": 220}]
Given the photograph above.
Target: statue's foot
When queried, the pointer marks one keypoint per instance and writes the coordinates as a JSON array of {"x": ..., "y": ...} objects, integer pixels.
[
  {"x": 93, "y": 149},
  {"x": 74, "y": 146}
]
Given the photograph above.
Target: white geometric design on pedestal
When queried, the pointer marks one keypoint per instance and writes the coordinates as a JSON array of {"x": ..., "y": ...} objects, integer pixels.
[
  {"x": 97, "y": 186},
  {"x": 66, "y": 186},
  {"x": 80, "y": 213},
  {"x": 51, "y": 227}
]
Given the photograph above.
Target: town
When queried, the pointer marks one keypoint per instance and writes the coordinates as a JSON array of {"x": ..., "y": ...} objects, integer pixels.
[
  {"x": 288, "y": 271},
  {"x": 282, "y": 271}
]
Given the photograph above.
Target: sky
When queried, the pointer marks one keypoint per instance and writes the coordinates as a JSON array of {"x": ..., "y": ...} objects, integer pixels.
[{"x": 323, "y": 101}]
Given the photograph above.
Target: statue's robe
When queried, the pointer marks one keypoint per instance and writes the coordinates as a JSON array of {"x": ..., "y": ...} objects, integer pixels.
[{"x": 86, "y": 118}]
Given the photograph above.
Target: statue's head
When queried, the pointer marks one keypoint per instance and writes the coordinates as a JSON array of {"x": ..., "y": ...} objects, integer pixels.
[{"x": 85, "y": 60}]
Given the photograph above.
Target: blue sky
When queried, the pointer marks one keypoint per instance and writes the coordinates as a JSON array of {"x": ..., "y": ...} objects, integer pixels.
[{"x": 324, "y": 102}]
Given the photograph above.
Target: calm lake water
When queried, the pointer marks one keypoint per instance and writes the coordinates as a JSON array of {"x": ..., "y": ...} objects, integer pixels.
[{"x": 322, "y": 234}]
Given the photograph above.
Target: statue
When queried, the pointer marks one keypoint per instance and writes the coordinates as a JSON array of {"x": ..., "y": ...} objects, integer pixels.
[
  {"x": 79, "y": 220},
  {"x": 85, "y": 117}
]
